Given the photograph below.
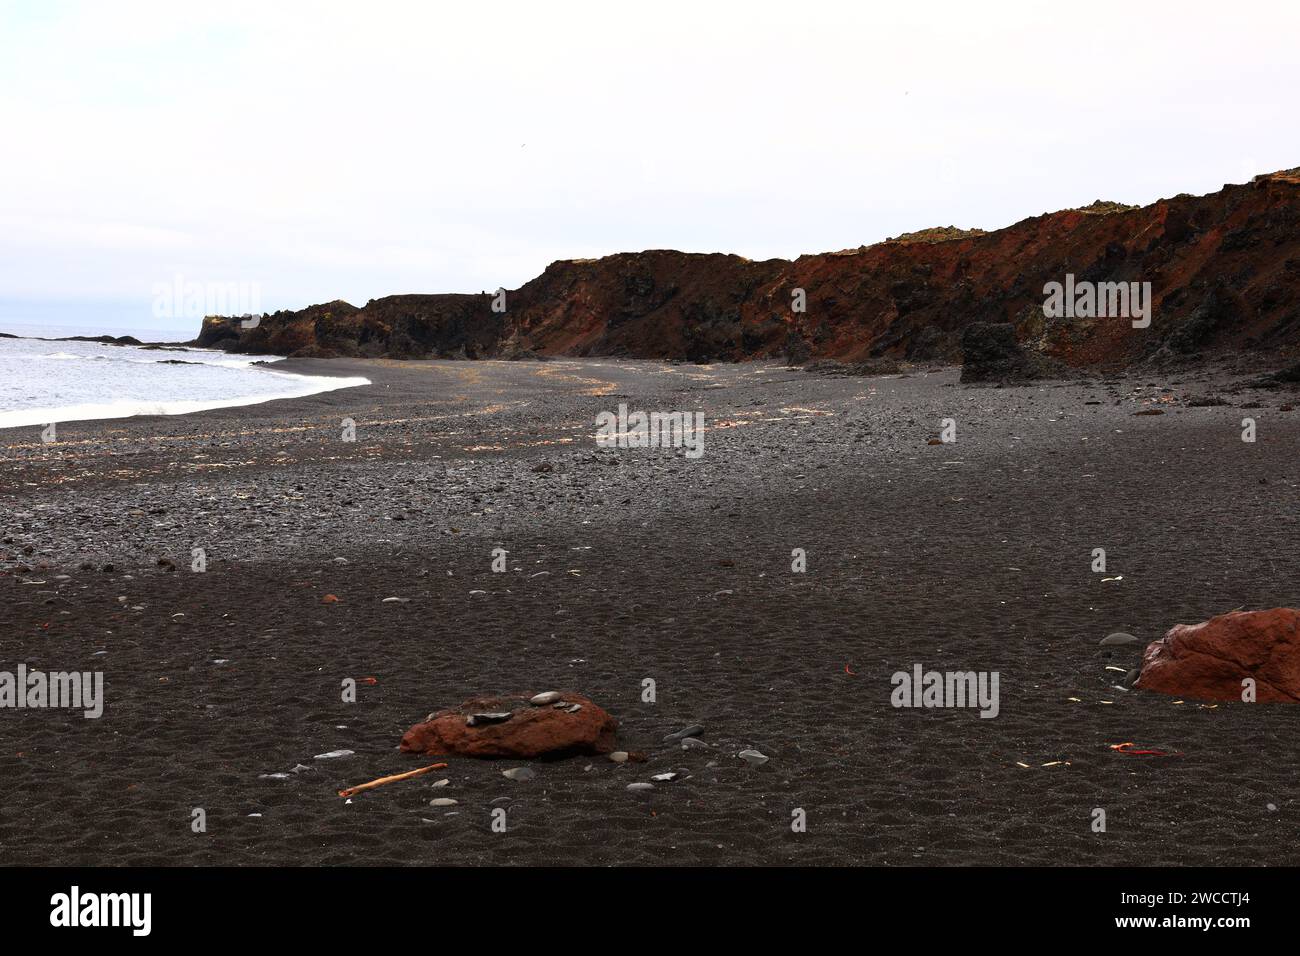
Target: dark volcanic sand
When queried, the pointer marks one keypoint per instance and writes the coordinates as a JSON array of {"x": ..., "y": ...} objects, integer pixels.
[{"x": 966, "y": 556}]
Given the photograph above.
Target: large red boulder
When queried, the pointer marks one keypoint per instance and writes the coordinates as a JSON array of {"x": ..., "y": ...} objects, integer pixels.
[
  {"x": 1208, "y": 661},
  {"x": 565, "y": 723}
]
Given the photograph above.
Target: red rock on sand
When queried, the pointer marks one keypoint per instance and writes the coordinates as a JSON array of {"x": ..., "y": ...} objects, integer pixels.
[
  {"x": 530, "y": 731},
  {"x": 1208, "y": 661}
]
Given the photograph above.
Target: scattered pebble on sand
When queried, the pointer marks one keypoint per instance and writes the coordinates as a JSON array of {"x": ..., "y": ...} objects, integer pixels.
[
  {"x": 694, "y": 730},
  {"x": 335, "y": 754},
  {"x": 1118, "y": 638}
]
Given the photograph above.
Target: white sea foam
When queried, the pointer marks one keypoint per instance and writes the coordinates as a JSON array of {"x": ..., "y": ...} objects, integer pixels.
[{"x": 43, "y": 381}]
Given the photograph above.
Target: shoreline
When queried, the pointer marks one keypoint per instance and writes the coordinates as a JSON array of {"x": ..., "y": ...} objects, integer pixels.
[
  {"x": 1244, "y": 366},
  {"x": 297, "y": 385}
]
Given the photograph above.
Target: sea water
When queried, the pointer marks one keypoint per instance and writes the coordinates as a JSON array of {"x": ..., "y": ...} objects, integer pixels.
[{"x": 43, "y": 381}]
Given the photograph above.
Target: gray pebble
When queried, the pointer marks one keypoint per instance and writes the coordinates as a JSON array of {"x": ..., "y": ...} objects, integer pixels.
[
  {"x": 694, "y": 730},
  {"x": 335, "y": 754},
  {"x": 478, "y": 720},
  {"x": 1118, "y": 638}
]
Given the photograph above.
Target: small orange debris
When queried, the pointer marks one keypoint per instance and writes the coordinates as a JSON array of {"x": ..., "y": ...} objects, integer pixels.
[
  {"x": 1130, "y": 750},
  {"x": 330, "y": 599}
]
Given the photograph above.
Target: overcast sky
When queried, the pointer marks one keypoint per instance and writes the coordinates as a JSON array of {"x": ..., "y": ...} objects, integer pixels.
[{"x": 353, "y": 150}]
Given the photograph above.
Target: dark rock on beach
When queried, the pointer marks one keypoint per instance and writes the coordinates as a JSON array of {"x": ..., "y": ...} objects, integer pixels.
[
  {"x": 102, "y": 339},
  {"x": 1286, "y": 377},
  {"x": 992, "y": 353}
]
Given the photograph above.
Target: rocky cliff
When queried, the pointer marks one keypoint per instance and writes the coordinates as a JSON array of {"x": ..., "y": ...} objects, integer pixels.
[{"x": 1224, "y": 271}]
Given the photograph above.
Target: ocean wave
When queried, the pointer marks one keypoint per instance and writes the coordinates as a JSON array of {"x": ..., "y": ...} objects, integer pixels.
[
  {"x": 300, "y": 387},
  {"x": 163, "y": 357}
]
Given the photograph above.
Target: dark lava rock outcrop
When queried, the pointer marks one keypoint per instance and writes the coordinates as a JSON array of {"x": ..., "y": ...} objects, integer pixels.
[
  {"x": 1208, "y": 661},
  {"x": 1224, "y": 272},
  {"x": 515, "y": 727},
  {"x": 1286, "y": 377},
  {"x": 991, "y": 352}
]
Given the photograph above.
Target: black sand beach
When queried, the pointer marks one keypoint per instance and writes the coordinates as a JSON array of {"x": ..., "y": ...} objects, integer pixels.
[{"x": 633, "y": 564}]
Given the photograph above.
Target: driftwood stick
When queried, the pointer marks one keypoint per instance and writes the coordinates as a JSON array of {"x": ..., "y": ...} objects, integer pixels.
[{"x": 351, "y": 791}]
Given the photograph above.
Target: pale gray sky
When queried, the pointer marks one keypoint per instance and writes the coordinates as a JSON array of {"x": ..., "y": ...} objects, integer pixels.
[{"x": 353, "y": 150}]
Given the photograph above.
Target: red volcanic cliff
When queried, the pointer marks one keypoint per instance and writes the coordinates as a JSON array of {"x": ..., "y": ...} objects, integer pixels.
[{"x": 1224, "y": 272}]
